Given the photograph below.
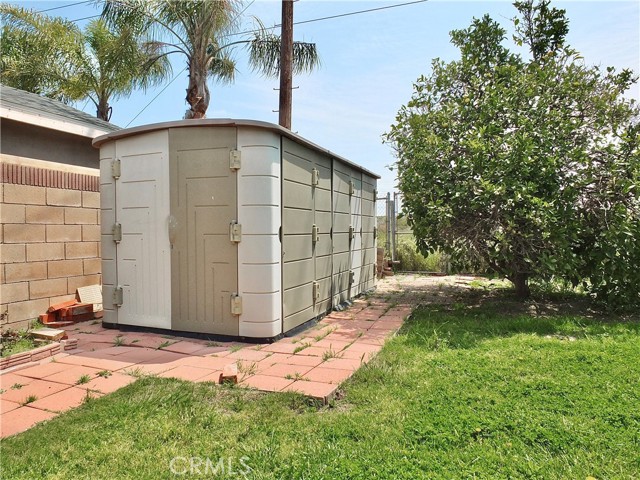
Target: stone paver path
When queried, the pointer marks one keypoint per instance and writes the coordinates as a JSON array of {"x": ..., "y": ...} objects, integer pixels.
[{"x": 314, "y": 362}]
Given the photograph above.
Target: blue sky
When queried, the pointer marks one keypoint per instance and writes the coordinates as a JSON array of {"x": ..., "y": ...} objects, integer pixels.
[{"x": 369, "y": 64}]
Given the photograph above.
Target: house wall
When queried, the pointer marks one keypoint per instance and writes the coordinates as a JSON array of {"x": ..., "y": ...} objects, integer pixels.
[
  {"x": 49, "y": 236},
  {"x": 41, "y": 143}
]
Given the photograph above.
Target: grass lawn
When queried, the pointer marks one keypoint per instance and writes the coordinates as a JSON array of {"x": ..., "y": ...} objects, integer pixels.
[{"x": 464, "y": 391}]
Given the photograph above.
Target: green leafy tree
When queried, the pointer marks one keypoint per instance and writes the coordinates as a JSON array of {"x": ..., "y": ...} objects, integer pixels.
[
  {"x": 53, "y": 57},
  {"x": 526, "y": 167},
  {"x": 204, "y": 31}
]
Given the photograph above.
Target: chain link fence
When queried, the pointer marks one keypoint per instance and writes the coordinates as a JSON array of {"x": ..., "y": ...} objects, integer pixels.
[{"x": 396, "y": 238}]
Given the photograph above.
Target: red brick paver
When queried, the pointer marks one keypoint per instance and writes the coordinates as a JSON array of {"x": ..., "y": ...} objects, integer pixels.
[{"x": 313, "y": 362}]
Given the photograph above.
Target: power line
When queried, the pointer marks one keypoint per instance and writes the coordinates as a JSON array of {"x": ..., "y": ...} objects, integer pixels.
[
  {"x": 84, "y": 18},
  {"x": 154, "y": 98},
  {"x": 64, "y": 6},
  {"x": 358, "y": 12}
]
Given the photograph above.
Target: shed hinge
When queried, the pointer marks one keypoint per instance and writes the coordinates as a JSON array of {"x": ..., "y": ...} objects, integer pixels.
[
  {"x": 316, "y": 292},
  {"x": 375, "y": 232},
  {"x": 352, "y": 187},
  {"x": 315, "y": 236},
  {"x": 235, "y": 232},
  {"x": 315, "y": 176},
  {"x": 116, "y": 231},
  {"x": 375, "y": 194},
  {"x": 235, "y": 160},
  {"x": 118, "y": 296},
  {"x": 115, "y": 168},
  {"x": 236, "y": 304},
  {"x": 352, "y": 277},
  {"x": 351, "y": 233}
]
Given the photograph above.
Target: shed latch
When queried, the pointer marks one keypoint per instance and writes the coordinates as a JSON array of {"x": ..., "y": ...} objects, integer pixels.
[
  {"x": 116, "y": 231},
  {"x": 315, "y": 234},
  {"x": 316, "y": 292},
  {"x": 375, "y": 232},
  {"x": 118, "y": 296},
  {"x": 351, "y": 233},
  {"x": 352, "y": 188},
  {"x": 115, "y": 168},
  {"x": 235, "y": 160},
  {"x": 315, "y": 176},
  {"x": 352, "y": 277},
  {"x": 236, "y": 304},
  {"x": 375, "y": 194},
  {"x": 235, "y": 232}
]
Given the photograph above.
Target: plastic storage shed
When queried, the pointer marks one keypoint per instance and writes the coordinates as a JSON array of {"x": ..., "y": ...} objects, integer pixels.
[{"x": 230, "y": 228}]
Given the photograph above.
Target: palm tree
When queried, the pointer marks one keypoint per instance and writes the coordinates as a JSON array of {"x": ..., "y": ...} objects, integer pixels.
[
  {"x": 201, "y": 30},
  {"x": 53, "y": 57}
]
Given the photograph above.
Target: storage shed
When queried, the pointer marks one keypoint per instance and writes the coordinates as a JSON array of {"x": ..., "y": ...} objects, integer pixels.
[{"x": 231, "y": 228}]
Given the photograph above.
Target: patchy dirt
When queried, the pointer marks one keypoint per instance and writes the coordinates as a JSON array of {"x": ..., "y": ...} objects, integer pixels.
[{"x": 467, "y": 291}]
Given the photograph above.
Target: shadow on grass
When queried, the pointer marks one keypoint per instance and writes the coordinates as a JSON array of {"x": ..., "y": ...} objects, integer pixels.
[{"x": 477, "y": 316}]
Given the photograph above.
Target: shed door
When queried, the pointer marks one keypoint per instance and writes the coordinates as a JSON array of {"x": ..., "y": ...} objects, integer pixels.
[
  {"x": 306, "y": 258},
  {"x": 141, "y": 209},
  {"x": 204, "y": 260}
]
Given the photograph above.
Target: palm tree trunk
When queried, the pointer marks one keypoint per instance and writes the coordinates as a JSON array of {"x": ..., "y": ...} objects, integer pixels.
[
  {"x": 198, "y": 92},
  {"x": 103, "y": 111}
]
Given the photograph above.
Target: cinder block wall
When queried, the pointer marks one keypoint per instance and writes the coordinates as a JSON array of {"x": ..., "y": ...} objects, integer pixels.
[{"x": 50, "y": 240}]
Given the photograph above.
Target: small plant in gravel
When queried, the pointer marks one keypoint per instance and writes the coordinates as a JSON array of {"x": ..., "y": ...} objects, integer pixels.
[
  {"x": 104, "y": 374},
  {"x": 136, "y": 372},
  {"x": 16, "y": 386},
  {"x": 301, "y": 347},
  {"x": 296, "y": 376},
  {"x": 247, "y": 368},
  {"x": 164, "y": 345},
  {"x": 118, "y": 341},
  {"x": 331, "y": 353},
  {"x": 235, "y": 348},
  {"x": 83, "y": 379},
  {"x": 29, "y": 399},
  {"x": 214, "y": 344}
]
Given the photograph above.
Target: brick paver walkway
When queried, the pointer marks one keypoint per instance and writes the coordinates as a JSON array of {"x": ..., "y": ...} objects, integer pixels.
[{"x": 313, "y": 362}]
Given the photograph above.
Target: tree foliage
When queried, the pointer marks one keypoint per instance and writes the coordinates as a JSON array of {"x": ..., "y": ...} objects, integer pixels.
[
  {"x": 206, "y": 32},
  {"x": 528, "y": 167},
  {"x": 53, "y": 57}
]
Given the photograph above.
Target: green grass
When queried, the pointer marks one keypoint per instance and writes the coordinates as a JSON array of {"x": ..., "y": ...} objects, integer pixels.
[{"x": 462, "y": 392}]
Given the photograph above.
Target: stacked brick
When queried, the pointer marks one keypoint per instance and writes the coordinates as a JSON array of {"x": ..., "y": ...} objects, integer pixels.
[{"x": 49, "y": 246}]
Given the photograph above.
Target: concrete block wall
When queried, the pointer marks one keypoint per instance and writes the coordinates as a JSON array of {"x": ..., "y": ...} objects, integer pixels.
[{"x": 49, "y": 240}]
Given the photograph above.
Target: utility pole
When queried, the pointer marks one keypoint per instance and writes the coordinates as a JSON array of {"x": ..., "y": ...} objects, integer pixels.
[{"x": 286, "y": 64}]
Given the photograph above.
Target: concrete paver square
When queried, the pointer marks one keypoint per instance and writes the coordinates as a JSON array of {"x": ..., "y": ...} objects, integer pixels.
[{"x": 22, "y": 419}]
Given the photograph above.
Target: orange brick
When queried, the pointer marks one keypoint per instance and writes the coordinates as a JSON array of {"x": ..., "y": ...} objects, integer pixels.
[
  {"x": 12, "y": 213},
  {"x": 14, "y": 292},
  {"x": 16, "y": 272},
  {"x": 91, "y": 199},
  {"x": 65, "y": 268},
  {"x": 44, "y": 214},
  {"x": 62, "y": 197},
  {"x": 47, "y": 288},
  {"x": 20, "y": 311},
  {"x": 24, "y": 194},
  {"x": 23, "y": 233},
  {"x": 80, "y": 216},
  {"x": 61, "y": 299},
  {"x": 92, "y": 266},
  {"x": 76, "y": 282},
  {"x": 12, "y": 253},
  {"x": 64, "y": 233},
  {"x": 37, "y": 252},
  {"x": 90, "y": 233},
  {"x": 81, "y": 250}
]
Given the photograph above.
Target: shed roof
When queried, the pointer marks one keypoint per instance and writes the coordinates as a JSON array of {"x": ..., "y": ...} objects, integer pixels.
[
  {"x": 226, "y": 122},
  {"x": 34, "y": 109}
]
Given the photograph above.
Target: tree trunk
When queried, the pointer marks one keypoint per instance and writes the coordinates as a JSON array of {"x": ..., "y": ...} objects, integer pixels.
[
  {"x": 103, "y": 111},
  {"x": 521, "y": 282},
  {"x": 198, "y": 92},
  {"x": 286, "y": 64}
]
